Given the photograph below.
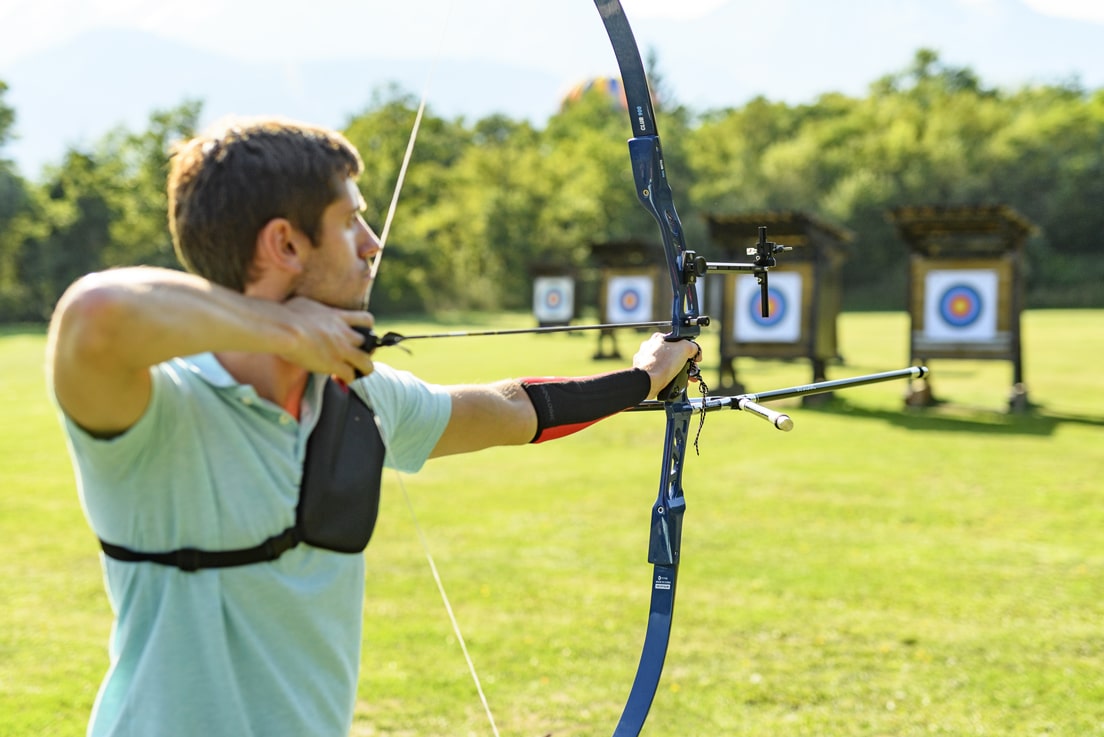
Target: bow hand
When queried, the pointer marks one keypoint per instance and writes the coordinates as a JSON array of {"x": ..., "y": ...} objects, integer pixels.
[
  {"x": 671, "y": 362},
  {"x": 677, "y": 386}
]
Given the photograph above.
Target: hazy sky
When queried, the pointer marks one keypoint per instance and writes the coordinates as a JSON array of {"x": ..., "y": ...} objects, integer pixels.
[
  {"x": 712, "y": 53},
  {"x": 521, "y": 31},
  {"x": 251, "y": 30}
]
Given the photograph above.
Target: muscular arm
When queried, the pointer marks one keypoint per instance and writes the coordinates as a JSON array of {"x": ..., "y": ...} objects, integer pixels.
[
  {"x": 109, "y": 328},
  {"x": 488, "y": 415}
]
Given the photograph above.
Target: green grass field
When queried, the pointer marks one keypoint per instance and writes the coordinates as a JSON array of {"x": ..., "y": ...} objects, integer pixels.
[{"x": 879, "y": 571}]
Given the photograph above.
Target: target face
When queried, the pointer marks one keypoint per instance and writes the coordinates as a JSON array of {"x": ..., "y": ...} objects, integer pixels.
[
  {"x": 960, "y": 305},
  {"x": 629, "y": 298},
  {"x": 776, "y": 307},
  {"x": 783, "y": 323},
  {"x": 554, "y": 299},
  {"x": 629, "y": 301}
]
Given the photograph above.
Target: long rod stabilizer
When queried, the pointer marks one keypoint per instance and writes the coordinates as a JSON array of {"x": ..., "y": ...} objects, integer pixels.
[{"x": 751, "y": 402}]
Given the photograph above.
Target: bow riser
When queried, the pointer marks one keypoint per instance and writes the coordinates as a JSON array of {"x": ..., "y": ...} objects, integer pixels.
[
  {"x": 654, "y": 193},
  {"x": 666, "y": 538}
]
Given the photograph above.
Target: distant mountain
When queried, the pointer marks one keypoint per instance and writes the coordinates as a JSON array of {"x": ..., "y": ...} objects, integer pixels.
[
  {"x": 73, "y": 94},
  {"x": 790, "y": 51}
]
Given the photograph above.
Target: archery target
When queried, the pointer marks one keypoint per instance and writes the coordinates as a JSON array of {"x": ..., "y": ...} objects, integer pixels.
[
  {"x": 783, "y": 324},
  {"x": 960, "y": 305},
  {"x": 629, "y": 298},
  {"x": 554, "y": 299}
]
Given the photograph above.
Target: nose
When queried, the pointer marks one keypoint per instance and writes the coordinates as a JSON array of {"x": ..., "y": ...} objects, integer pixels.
[{"x": 368, "y": 244}]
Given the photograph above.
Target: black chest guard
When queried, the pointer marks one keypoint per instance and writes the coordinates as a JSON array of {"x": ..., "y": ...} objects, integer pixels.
[{"x": 338, "y": 495}]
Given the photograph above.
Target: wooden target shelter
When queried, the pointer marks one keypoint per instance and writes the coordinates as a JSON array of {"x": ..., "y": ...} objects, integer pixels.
[
  {"x": 965, "y": 287},
  {"x": 805, "y": 292}
]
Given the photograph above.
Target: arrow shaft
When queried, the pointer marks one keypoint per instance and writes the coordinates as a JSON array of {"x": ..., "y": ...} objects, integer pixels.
[{"x": 550, "y": 329}]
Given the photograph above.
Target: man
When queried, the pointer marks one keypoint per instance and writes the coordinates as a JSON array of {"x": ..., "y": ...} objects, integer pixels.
[{"x": 231, "y": 483}]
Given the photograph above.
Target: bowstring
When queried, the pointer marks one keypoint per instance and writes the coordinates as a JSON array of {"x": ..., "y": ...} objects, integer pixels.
[
  {"x": 374, "y": 271},
  {"x": 407, "y": 155},
  {"x": 448, "y": 606}
]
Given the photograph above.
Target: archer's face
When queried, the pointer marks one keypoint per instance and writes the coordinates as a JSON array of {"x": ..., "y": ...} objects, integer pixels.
[{"x": 338, "y": 272}]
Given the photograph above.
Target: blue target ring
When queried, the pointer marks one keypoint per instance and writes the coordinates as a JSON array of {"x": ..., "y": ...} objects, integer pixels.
[
  {"x": 776, "y": 301},
  {"x": 553, "y": 298},
  {"x": 960, "y": 306},
  {"x": 629, "y": 300}
]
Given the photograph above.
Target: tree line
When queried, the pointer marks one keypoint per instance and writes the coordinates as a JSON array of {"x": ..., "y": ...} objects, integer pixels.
[{"x": 485, "y": 202}]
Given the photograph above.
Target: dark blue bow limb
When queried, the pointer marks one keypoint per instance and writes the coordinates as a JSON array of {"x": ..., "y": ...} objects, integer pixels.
[{"x": 683, "y": 268}]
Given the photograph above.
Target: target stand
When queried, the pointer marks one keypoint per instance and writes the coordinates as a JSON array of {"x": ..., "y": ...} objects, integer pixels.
[
  {"x": 965, "y": 288},
  {"x": 804, "y": 294}
]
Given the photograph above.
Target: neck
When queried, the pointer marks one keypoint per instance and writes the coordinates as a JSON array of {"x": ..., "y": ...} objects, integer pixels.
[{"x": 273, "y": 378}]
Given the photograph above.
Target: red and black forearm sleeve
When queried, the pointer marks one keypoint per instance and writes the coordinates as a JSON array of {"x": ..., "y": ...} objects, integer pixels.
[{"x": 565, "y": 406}]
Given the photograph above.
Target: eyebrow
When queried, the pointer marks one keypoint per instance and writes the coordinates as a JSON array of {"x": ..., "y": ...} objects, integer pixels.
[{"x": 348, "y": 208}]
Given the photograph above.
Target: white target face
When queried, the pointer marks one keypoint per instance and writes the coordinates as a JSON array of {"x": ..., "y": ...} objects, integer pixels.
[
  {"x": 960, "y": 305},
  {"x": 629, "y": 298},
  {"x": 554, "y": 298},
  {"x": 782, "y": 324}
]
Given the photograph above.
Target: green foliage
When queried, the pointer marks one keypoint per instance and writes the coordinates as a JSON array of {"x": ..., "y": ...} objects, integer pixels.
[
  {"x": 486, "y": 202},
  {"x": 929, "y": 135},
  {"x": 483, "y": 203},
  {"x": 877, "y": 571},
  {"x": 138, "y": 166},
  {"x": 14, "y": 200},
  {"x": 101, "y": 207},
  {"x": 7, "y": 116}
]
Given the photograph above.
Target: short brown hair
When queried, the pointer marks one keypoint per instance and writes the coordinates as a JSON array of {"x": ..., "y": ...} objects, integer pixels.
[{"x": 225, "y": 186}]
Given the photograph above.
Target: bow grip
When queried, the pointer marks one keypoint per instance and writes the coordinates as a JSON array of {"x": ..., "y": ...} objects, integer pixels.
[
  {"x": 677, "y": 386},
  {"x": 673, "y": 391}
]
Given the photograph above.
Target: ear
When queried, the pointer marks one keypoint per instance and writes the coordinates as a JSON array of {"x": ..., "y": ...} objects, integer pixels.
[{"x": 280, "y": 250}]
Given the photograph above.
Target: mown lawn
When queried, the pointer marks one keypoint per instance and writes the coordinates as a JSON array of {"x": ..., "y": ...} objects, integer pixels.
[{"x": 879, "y": 571}]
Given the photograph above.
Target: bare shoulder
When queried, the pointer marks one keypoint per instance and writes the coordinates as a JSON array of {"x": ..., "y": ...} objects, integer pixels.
[{"x": 87, "y": 355}]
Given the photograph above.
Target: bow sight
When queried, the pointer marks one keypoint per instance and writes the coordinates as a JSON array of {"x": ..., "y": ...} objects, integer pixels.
[{"x": 694, "y": 266}]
